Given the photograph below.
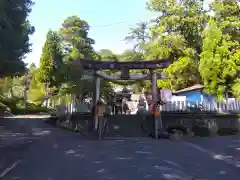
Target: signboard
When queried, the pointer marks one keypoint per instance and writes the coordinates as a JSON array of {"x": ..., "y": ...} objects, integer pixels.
[
  {"x": 125, "y": 74},
  {"x": 92, "y": 64}
]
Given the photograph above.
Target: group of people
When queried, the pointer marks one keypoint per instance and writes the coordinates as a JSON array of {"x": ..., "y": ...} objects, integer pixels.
[{"x": 100, "y": 109}]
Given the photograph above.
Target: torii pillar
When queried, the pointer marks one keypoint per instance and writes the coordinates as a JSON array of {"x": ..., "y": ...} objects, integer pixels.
[
  {"x": 155, "y": 99},
  {"x": 96, "y": 97}
]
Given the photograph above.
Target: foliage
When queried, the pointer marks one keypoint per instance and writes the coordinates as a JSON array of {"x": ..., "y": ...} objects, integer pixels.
[
  {"x": 176, "y": 36},
  {"x": 131, "y": 55},
  {"x": 77, "y": 44},
  {"x": 221, "y": 54},
  {"x": 203, "y": 48},
  {"x": 30, "y": 109},
  {"x": 10, "y": 103},
  {"x": 17, "y": 106},
  {"x": 222, "y": 50},
  {"x": 201, "y": 43},
  {"x": 12, "y": 87},
  {"x": 12, "y": 99},
  {"x": 37, "y": 91},
  {"x": 107, "y": 55},
  {"x": 51, "y": 61},
  {"x": 14, "y": 36},
  {"x": 139, "y": 36},
  {"x": 4, "y": 108}
]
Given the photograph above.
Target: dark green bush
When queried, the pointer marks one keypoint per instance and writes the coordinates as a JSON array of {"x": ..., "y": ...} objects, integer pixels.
[
  {"x": 17, "y": 106},
  {"x": 11, "y": 103},
  {"x": 30, "y": 109},
  {"x": 4, "y": 109}
]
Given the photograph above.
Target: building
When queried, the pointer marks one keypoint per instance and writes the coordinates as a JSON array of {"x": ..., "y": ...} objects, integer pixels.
[{"x": 195, "y": 94}]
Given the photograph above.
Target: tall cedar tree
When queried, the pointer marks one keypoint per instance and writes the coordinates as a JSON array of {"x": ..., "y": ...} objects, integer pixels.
[{"x": 14, "y": 36}]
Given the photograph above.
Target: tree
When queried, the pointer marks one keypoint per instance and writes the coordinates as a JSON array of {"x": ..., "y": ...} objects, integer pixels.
[
  {"x": 32, "y": 68},
  {"x": 51, "y": 60},
  {"x": 78, "y": 45},
  {"x": 131, "y": 55},
  {"x": 176, "y": 36},
  {"x": 220, "y": 59},
  {"x": 226, "y": 13},
  {"x": 139, "y": 36},
  {"x": 14, "y": 36},
  {"x": 107, "y": 55},
  {"x": 37, "y": 90}
]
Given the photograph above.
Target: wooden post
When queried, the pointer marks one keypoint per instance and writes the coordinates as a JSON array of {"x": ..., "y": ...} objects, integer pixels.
[
  {"x": 154, "y": 98},
  {"x": 96, "y": 97}
]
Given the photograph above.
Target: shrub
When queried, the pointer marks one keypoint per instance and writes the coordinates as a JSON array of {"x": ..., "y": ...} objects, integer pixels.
[
  {"x": 17, "y": 106},
  {"x": 4, "y": 109},
  {"x": 30, "y": 109}
]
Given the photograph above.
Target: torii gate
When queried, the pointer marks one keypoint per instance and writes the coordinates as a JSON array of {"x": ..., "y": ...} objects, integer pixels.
[{"x": 124, "y": 67}]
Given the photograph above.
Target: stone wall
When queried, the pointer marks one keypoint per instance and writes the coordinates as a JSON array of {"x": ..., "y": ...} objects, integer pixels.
[{"x": 201, "y": 124}]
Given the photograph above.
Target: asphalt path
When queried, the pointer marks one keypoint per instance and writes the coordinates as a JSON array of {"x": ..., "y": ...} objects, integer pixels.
[{"x": 39, "y": 151}]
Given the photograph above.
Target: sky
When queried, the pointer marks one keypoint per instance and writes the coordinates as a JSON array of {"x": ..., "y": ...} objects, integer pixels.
[{"x": 110, "y": 21}]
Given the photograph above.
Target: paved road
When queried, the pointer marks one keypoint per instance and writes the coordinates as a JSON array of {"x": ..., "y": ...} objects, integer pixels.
[{"x": 55, "y": 154}]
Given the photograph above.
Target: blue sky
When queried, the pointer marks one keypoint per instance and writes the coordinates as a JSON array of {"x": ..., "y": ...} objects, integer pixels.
[{"x": 110, "y": 21}]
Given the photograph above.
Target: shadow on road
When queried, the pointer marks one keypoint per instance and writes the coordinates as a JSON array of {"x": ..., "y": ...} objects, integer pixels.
[
  {"x": 16, "y": 136},
  {"x": 226, "y": 148},
  {"x": 56, "y": 154}
]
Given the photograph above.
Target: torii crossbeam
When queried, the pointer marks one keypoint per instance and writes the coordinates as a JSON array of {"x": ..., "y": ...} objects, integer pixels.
[{"x": 118, "y": 65}]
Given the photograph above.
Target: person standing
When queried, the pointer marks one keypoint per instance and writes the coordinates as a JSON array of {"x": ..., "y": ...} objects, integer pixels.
[
  {"x": 156, "y": 117},
  {"x": 100, "y": 111}
]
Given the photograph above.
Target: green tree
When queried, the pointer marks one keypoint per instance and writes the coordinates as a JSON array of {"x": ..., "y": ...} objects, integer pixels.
[
  {"x": 131, "y": 55},
  {"x": 77, "y": 44},
  {"x": 226, "y": 13},
  {"x": 220, "y": 59},
  {"x": 32, "y": 68},
  {"x": 107, "y": 55},
  {"x": 139, "y": 36},
  {"x": 177, "y": 36},
  {"x": 51, "y": 60},
  {"x": 37, "y": 90},
  {"x": 14, "y": 36}
]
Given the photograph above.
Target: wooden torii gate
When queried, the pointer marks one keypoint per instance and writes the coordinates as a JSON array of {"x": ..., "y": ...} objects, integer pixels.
[{"x": 124, "y": 67}]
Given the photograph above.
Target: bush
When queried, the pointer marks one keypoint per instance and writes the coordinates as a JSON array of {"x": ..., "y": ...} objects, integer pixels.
[
  {"x": 30, "y": 109},
  {"x": 4, "y": 109},
  {"x": 11, "y": 103},
  {"x": 17, "y": 106}
]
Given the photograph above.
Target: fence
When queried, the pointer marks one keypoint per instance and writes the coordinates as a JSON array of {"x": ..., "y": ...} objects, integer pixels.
[
  {"x": 72, "y": 108},
  {"x": 213, "y": 106},
  {"x": 232, "y": 106}
]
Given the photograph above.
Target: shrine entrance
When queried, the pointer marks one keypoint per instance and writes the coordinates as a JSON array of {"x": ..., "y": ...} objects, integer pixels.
[{"x": 124, "y": 67}]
